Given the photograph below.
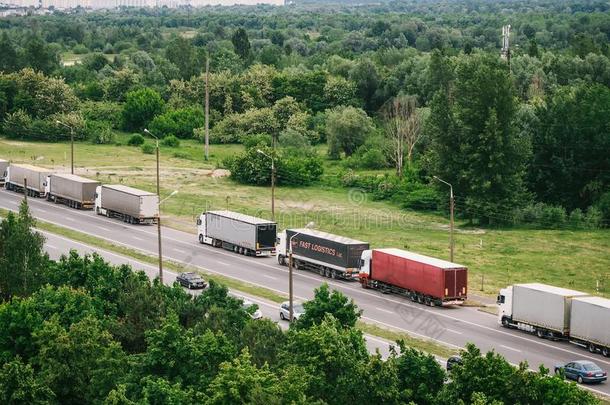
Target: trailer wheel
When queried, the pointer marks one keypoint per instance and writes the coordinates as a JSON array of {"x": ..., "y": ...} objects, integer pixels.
[
  {"x": 592, "y": 348},
  {"x": 321, "y": 271},
  {"x": 333, "y": 274},
  {"x": 201, "y": 239},
  {"x": 540, "y": 333},
  {"x": 606, "y": 352},
  {"x": 327, "y": 273},
  {"x": 281, "y": 260}
]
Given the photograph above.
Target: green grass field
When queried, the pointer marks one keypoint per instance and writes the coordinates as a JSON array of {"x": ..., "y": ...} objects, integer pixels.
[{"x": 577, "y": 259}]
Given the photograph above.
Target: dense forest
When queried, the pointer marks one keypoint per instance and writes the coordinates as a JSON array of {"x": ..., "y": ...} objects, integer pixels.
[
  {"x": 395, "y": 92},
  {"x": 79, "y": 331}
]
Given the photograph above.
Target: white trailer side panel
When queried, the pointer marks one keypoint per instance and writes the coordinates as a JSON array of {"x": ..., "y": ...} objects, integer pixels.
[
  {"x": 130, "y": 201},
  {"x": 72, "y": 187},
  {"x": 231, "y": 230},
  {"x": 543, "y": 305},
  {"x": 591, "y": 320},
  {"x": 36, "y": 176}
]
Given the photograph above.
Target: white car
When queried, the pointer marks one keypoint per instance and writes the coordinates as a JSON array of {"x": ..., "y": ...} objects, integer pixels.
[
  {"x": 254, "y": 315},
  {"x": 297, "y": 310}
]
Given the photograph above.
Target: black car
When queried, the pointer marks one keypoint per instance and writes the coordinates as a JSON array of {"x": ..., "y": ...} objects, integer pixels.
[
  {"x": 191, "y": 280},
  {"x": 453, "y": 361}
]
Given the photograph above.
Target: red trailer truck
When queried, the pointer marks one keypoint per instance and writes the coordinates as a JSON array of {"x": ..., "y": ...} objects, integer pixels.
[{"x": 424, "y": 279}]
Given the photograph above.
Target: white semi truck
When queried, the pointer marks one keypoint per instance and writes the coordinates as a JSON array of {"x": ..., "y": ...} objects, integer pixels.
[
  {"x": 240, "y": 233},
  {"x": 37, "y": 179},
  {"x": 127, "y": 204},
  {"x": 557, "y": 313}
]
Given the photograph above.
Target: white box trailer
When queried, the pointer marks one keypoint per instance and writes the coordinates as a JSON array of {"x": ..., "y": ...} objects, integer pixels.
[
  {"x": 538, "y": 308},
  {"x": 590, "y": 323},
  {"x": 36, "y": 177},
  {"x": 3, "y": 168},
  {"x": 72, "y": 190},
  {"x": 237, "y": 232},
  {"x": 127, "y": 203}
]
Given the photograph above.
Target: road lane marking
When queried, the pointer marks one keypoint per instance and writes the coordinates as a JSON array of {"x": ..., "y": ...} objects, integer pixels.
[
  {"x": 179, "y": 250},
  {"x": 136, "y": 238},
  {"x": 268, "y": 276},
  {"x": 453, "y": 331},
  {"x": 511, "y": 348},
  {"x": 51, "y": 246},
  {"x": 105, "y": 229},
  {"x": 223, "y": 263},
  {"x": 70, "y": 219},
  {"x": 384, "y": 310},
  {"x": 41, "y": 210}
]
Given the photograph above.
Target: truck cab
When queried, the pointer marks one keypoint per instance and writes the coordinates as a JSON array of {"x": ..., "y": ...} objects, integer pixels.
[
  {"x": 505, "y": 305},
  {"x": 98, "y": 201},
  {"x": 365, "y": 263},
  {"x": 280, "y": 247},
  {"x": 202, "y": 231}
]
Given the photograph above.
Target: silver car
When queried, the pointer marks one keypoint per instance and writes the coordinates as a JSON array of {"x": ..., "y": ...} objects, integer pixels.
[
  {"x": 297, "y": 310},
  {"x": 257, "y": 314}
]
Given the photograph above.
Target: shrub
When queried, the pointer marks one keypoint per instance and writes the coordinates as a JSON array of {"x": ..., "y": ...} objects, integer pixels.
[
  {"x": 421, "y": 198},
  {"x": 100, "y": 132},
  {"x": 135, "y": 140},
  {"x": 148, "y": 148},
  {"x": 17, "y": 124},
  {"x": 181, "y": 155},
  {"x": 107, "y": 111},
  {"x": 180, "y": 123},
  {"x": 171, "y": 141},
  {"x": 255, "y": 140},
  {"x": 80, "y": 49}
]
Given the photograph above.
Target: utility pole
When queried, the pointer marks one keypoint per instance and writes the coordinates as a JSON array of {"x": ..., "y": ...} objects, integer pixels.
[
  {"x": 506, "y": 44},
  {"x": 290, "y": 265},
  {"x": 272, "y": 182},
  {"x": 158, "y": 210},
  {"x": 25, "y": 189},
  {"x": 207, "y": 108},
  {"x": 451, "y": 209},
  {"x": 71, "y": 144}
]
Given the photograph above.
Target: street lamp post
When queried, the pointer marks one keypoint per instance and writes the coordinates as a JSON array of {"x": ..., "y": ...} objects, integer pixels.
[
  {"x": 159, "y": 209},
  {"x": 290, "y": 262},
  {"x": 272, "y": 182},
  {"x": 451, "y": 205},
  {"x": 71, "y": 144}
]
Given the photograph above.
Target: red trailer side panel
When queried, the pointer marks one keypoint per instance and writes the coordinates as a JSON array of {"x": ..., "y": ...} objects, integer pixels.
[{"x": 423, "y": 274}]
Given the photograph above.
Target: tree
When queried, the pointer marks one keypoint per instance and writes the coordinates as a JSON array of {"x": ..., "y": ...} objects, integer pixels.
[
  {"x": 571, "y": 164},
  {"x": 140, "y": 108},
  {"x": 332, "y": 355},
  {"x": 364, "y": 74},
  {"x": 475, "y": 147},
  {"x": 347, "y": 129},
  {"x": 183, "y": 54},
  {"x": 185, "y": 356},
  {"x": 241, "y": 44},
  {"x": 344, "y": 311},
  {"x": 240, "y": 382},
  {"x": 180, "y": 123},
  {"x": 22, "y": 257},
  {"x": 38, "y": 55},
  {"x": 9, "y": 61},
  {"x": 420, "y": 376},
  {"x": 20, "y": 386},
  {"x": 81, "y": 363},
  {"x": 263, "y": 339},
  {"x": 403, "y": 127}
]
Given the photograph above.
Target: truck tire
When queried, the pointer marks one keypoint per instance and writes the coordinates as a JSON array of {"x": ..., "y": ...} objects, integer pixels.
[
  {"x": 606, "y": 352},
  {"x": 321, "y": 271},
  {"x": 201, "y": 239},
  {"x": 592, "y": 348},
  {"x": 540, "y": 333},
  {"x": 333, "y": 274},
  {"x": 281, "y": 260},
  {"x": 327, "y": 273},
  {"x": 505, "y": 322}
]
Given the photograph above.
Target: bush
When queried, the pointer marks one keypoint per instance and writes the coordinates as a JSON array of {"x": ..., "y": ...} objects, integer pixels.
[
  {"x": 100, "y": 132},
  {"x": 148, "y": 148},
  {"x": 180, "y": 123},
  {"x": 171, "y": 141},
  {"x": 252, "y": 141},
  {"x": 299, "y": 171},
  {"x": 136, "y": 140},
  {"x": 80, "y": 49},
  {"x": 107, "y": 111},
  {"x": 421, "y": 198}
]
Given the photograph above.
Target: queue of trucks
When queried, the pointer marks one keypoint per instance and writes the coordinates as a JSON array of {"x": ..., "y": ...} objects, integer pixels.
[
  {"x": 114, "y": 201},
  {"x": 557, "y": 313},
  {"x": 547, "y": 311}
]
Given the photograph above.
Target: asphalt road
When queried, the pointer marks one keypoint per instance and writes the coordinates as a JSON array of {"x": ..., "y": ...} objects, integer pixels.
[{"x": 454, "y": 326}]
